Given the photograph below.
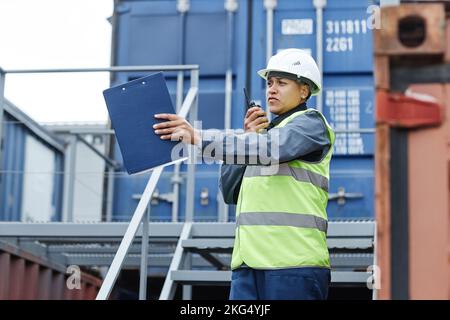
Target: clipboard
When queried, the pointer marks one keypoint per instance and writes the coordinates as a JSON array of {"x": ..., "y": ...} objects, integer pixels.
[{"x": 131, "y": 107}]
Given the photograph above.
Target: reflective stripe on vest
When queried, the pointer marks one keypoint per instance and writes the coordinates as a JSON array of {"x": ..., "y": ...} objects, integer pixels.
[
  {"x": 281, "y": 219},
  {"x": 284, "y": 169}
]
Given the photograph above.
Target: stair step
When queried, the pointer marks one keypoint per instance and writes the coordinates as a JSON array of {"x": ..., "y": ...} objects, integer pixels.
[
  {"x": 350, "y": 243},
  {"x": 196, "y": 277},
  {"x": 209, "y": 244},
  {"x": 341, "y": 277},
  {"x": 204, "y": 277},
  {"x": 227, "y": 243}
]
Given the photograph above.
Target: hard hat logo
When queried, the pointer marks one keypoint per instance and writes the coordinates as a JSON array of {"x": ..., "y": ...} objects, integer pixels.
[{"x": 297, "y": 63}]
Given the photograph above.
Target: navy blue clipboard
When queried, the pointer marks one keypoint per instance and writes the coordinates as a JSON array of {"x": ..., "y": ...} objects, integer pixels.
[{"x": 131, "y": 107}]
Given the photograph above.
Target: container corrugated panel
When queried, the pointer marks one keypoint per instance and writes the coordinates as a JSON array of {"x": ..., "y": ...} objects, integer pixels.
[
  {"x": 24, "y": 276},
  {"x": 149, "y": 32},
  {"x": 26, "y": 182}
]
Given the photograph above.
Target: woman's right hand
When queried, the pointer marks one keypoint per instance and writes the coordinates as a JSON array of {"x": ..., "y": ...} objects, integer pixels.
[{"x": 255, "y": 120}]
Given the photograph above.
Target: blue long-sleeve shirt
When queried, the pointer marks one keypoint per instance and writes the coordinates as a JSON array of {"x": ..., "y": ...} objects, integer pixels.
[{"x": 305, "y": 138}]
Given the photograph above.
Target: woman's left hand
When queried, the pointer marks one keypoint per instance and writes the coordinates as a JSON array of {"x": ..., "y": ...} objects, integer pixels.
[{"x": 176, "y": 128}]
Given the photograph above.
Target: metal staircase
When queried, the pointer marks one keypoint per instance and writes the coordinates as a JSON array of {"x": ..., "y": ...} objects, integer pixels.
[
  {"x": 195, "y": 253},
  {"x": 351, "y": 245}
]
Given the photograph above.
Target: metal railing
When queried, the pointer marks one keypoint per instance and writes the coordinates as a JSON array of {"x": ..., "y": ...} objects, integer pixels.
[{"x": 140, "y": 215}]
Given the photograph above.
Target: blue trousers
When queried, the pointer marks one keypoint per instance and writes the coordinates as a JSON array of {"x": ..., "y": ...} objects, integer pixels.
[{"x": 281, "y": 284}]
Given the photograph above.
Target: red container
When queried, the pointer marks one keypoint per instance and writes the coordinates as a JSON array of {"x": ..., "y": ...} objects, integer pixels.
[
  {"x": 428, "y": 204},
  {"x": 24, "y": 276}
]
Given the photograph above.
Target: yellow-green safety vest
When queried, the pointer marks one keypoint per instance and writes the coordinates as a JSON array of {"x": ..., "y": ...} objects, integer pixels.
[{"x": 281, "y": 218}]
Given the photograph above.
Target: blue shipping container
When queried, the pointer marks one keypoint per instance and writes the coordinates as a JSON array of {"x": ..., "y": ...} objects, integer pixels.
[
  {"x": 160, "y": 33},
  {"x": 28, "y": 191}
]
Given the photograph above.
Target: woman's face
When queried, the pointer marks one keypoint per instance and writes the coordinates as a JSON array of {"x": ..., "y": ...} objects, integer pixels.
[{"x": 284, "y": 94}]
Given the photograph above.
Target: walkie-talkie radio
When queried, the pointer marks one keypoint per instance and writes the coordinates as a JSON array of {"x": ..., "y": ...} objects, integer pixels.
[{"x": 250, "y": 103}]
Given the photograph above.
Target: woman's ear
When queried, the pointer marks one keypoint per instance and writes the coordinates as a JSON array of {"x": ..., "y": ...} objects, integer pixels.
[{"x": 304, "y": 91}]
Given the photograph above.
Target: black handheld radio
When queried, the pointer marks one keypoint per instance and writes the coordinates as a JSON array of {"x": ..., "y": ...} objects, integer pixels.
[{"x": 249, "y": 102}]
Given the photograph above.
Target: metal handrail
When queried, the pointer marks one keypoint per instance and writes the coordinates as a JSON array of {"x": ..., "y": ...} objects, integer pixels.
[
  {"x": 107, "y": 69},
  {"x": 4, "y": 72},
  {"x": 138, "y": 214},
  {"x": 190, "y": 102}
]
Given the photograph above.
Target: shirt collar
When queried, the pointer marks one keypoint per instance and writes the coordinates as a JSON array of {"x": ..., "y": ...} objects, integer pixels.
[{"x": 276, "y": 121}]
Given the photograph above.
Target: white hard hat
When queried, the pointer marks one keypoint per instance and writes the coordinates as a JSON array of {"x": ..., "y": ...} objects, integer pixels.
[{"x": 296, "y": 62}]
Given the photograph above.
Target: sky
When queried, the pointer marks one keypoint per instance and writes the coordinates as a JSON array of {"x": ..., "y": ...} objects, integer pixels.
[{"x": 41, "y": 34}]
